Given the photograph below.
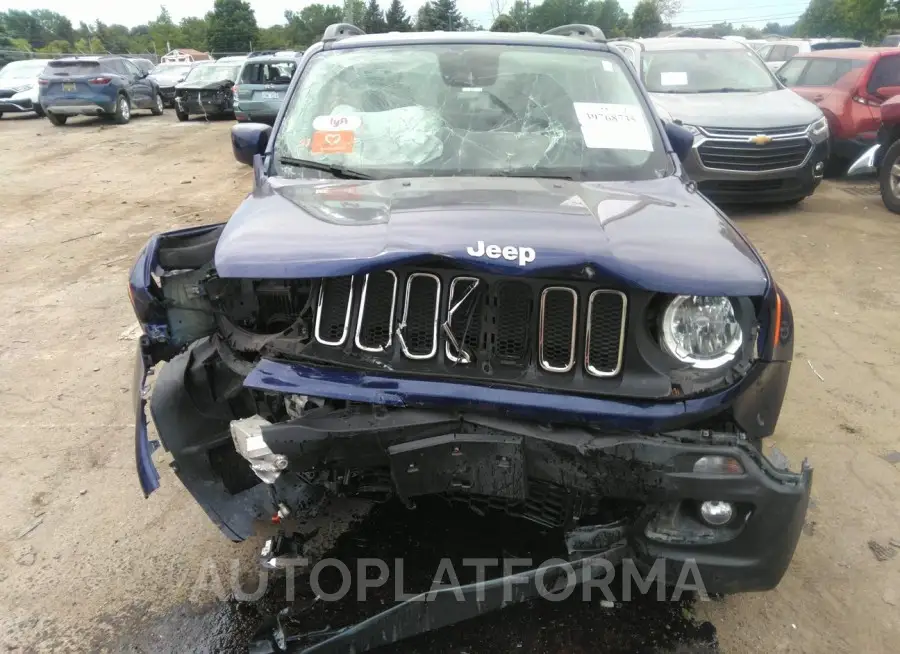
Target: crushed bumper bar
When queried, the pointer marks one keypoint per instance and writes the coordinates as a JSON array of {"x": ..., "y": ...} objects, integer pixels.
[{"x": 445, "y": 606}]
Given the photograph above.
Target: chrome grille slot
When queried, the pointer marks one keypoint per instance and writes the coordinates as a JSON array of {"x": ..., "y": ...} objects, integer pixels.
[
  {"x": 744, "y": 156},
  {"x": 605, "y": 333},
  {"x": 793, "y": 130},
  {"x": 558, "y": 325},
  {"x": 333, "y": 310},
  {"x": 377, "y": 304},
  {"x": 421, "y": 310},
  {"x": 464, "y": 313}
]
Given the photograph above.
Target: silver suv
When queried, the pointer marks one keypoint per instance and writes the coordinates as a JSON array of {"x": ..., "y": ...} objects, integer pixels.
[{"x": 754, "y": 139}]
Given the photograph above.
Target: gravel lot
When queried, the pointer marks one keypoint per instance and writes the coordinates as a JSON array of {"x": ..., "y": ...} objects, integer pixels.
[{"x": 101, "y": 568}]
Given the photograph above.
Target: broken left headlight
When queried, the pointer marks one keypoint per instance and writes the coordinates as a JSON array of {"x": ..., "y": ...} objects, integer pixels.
[{"x": 701, "y": 331}]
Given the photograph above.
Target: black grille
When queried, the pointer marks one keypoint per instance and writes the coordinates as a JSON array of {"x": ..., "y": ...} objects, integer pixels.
[
  {"x": 420, "y": 314},
  {"x": 559, "y": 314},
  {"x": 605, "y": 325},
  {"x": 376, "y": 317},
  {"x": 332, "y": 315},
  {"x": 746, "y": 157},
  {"x": 515, "y": 308},
  {"x": 487, "y": 327}
]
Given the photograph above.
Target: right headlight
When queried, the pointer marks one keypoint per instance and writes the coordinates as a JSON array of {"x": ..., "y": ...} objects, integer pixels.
[
  {"x": 701, "y": 331},
  {"x": 818, "y": 130}
]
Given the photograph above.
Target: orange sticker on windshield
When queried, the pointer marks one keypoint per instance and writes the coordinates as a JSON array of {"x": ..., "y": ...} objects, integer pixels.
[{"x": 332, "y": 143}]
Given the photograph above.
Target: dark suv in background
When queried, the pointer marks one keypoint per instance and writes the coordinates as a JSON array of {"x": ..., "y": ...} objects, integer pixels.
[
  {"x": 168, "y": 74},
  {"x": 96, "y": 86},
  {"x": 264, "y": 79}
]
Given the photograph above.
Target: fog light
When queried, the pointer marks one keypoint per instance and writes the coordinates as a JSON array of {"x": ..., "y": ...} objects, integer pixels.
[
  {"x": 718, "y": 465},
  {"x": 716, "y": 514},
  {"x": 819, "y": 169}
]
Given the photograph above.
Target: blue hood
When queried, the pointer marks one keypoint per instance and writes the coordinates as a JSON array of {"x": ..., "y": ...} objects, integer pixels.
[{"x": 654, "y": 234}]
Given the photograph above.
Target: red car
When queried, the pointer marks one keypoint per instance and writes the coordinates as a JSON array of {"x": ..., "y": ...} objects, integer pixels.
[{"x": 849, "y": 87}]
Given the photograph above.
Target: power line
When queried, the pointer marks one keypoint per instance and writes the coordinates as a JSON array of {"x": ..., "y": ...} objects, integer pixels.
[
  {"x": 720, "y": 9},
  {"x": 742, "y": 20}
]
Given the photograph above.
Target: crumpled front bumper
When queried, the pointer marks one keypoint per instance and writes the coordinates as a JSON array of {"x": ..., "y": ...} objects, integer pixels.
[{"x": 652, "y": 468}]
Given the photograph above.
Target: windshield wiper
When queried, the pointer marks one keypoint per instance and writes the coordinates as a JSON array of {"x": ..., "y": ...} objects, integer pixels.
[
  {"x": 531, "y": 172},
  {"x": 726, "y": 89},
  {"x": 338, "y": 171}
]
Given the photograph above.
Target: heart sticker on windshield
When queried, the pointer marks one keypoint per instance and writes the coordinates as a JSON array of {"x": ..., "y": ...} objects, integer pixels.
[{"x": 332, "y": 142}]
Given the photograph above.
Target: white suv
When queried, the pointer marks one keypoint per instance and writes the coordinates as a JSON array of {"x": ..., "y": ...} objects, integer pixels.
[{"x": 776, "y": 53}]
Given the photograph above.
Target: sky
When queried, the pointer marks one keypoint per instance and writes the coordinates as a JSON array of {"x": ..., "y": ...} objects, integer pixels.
[{"x": 271, "y": 12}]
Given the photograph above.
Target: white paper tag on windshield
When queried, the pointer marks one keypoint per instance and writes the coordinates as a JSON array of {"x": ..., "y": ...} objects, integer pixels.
[
  {"x": 607, "y": 66},
  {"x": 613, "y": 126},
  {"x": 673, "y": 79}
]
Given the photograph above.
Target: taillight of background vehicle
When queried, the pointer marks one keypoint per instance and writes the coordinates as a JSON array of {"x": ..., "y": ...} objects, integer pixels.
[
  {"x": 43, "y": 82},
  {"x": 235, "y": 89},
  {"x": 100, "y": 80}
]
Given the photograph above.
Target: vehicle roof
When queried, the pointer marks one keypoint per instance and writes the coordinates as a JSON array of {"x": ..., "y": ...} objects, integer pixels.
[
  {"x": 75, "y": 59},
  {"x": 848, "y": 53},
  {"x": 278, "y": 57},
  {"x": 690, "y": 43},
  {"x": 502, "y": 38}
]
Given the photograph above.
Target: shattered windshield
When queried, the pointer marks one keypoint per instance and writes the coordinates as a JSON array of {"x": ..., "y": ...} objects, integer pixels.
[
  {"x": 706, "y": 71},
  {"x": 447, "y": 109},
  {"x": 213, "y": 73}
]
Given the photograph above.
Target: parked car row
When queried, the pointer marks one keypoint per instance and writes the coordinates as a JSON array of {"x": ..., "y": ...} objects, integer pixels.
[{"x": 114, "y": 86}]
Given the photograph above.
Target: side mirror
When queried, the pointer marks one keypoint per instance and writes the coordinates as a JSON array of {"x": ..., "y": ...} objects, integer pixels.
[
  {"x": 682, "y": 140},
  {"x": 888, "y": 91},
  {"x": 249, "y": 139}
]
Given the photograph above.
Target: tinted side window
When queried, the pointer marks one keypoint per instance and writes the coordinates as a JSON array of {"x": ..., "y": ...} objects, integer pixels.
[
  {"x": 114, "y": 66},
  {"x": 825, "y": 72},
  {"x": 130, "y": 68},
  {"x": 765, "y": 51},
  {"x": 886, "y": 73},
  {"x": 790, "y": 51},
  {"x": 790, "y": 73},
  {"x": 777, "y": 53}
]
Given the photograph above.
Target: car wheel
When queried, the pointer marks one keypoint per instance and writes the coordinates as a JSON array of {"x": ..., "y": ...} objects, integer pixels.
[
  {"x": 38, "y": 111},
  {"x": 1, "y": 114},
  {"x": 889, "y": 178},
  {"x": 158, "y": 107},
  {"x": 182, "y": 115},
  {"x": 57, "y": 120},
  {"x": 123, "y": 111}
]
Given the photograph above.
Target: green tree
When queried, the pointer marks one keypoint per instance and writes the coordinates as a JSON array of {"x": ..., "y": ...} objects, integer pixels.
[
  {"x": 439, "y": 15},
  {"x": 504, "y": 23},
  {"x": 553, "y": 13},
  {"x": 646, "y": 19},
  {"x": 307, "y": 26},
  {"x": 194, "y": 33},
  {"x": 373, "y": 20},
  {"x": 821, "y": 18},
  {"x": 609, "y": 16},
  {"x": 395, "y": 18},
  {"x": 232, "y": 26},
  {"x": 164, "y": 32},
  {"x": 863, "y": 18},
  {"x": 273, "y": 38},
  {"x": 354, "y": 11}
]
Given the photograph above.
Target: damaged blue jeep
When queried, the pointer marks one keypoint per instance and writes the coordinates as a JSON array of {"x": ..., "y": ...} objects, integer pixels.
[{"x": 472, "y": 267}]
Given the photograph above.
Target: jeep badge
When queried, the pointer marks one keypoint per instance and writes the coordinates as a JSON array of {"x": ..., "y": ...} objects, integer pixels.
[{"x": 508, "y": 252}]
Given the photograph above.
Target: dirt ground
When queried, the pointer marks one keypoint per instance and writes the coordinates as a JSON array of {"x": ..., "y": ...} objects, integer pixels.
[{"x": 83, "y": 557}]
